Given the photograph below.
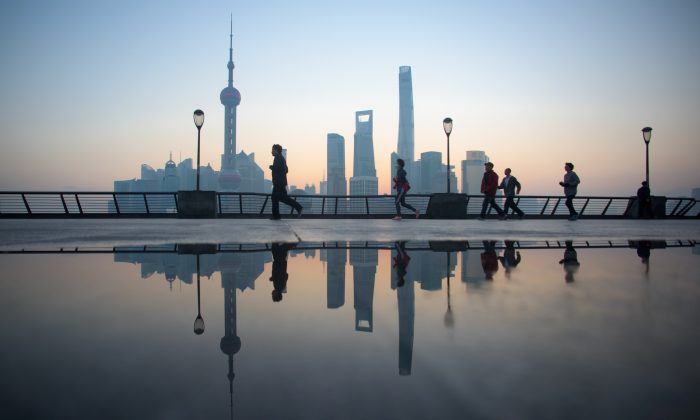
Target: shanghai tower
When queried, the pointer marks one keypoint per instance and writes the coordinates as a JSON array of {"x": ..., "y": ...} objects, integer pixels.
[
  {"x": 229, "y": 178},
  {"x": 405, "y": 148}
]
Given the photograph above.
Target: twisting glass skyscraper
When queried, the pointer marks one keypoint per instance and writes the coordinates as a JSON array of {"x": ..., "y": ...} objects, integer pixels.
[{"x": 405, "y": 148}]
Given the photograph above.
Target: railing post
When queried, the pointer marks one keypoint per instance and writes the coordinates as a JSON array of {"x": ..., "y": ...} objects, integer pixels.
[
  {"x": 262, "y": 210},
  {"x": 65, "y": 207},
  {"x": 584, "y": 206},
  {"x": 116, "y": 205},
  {"x": 336, "y": 206},
  {"x": 367, "y": 205},
  {"x": 673, "y": 213},
  {"x": 177, "y": 206},
  {"x": 218, "y": 196},
  {"x": 605, "y": 210},
  {"x": 240, "y": 203},
  {"x": 555, "y": 206},
  {"x": 323, "y": 204},
  {"x": 77, "y": 200},
  {"x": 26, "y": 204},
  {"x": 145, "y": 203}
]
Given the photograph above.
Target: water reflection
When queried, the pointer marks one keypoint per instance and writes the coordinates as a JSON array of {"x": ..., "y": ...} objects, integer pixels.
[
  {"x": 496, "y": 335},
  {"x": 570, "y": 262}
]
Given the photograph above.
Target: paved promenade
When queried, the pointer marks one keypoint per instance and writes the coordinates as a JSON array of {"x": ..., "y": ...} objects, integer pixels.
[{"x": 44, "y": 233}]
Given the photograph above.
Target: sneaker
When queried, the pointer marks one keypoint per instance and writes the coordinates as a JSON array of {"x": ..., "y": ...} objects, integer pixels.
[
  {"x": 299, "y": 212},
  {"x": 480, "y": 218},
  {"x": 275, "y": 218},
  {"x": 503, "y": 217},
  {"x": 396, "y": 218},
  {"x": 417, "y": 214},
  {"x": 573, "y": 218},
  {"x": 520, "y": 216}
]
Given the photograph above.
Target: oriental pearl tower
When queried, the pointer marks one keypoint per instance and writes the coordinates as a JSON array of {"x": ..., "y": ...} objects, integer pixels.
[{"x": 230, "y": 178}]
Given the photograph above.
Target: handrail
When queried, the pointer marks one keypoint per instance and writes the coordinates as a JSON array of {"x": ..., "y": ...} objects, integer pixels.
[{"x": 238, "y": 204}]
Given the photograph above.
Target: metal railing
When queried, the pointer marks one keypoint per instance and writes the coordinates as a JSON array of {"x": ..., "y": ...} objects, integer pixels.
[{"x": 234, "y": 204}]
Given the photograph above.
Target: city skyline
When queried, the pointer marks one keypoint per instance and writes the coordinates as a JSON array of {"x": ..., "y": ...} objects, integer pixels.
[{"x": 92, "y": 91}]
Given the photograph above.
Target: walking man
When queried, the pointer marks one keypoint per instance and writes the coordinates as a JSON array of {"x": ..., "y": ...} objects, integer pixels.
[
  {"x": 570, "y": 185},
  {"x": 489, "y": 185},
  {"x": 510, "y": 187},
  {"x": 279, "y": 184},
  {"x": 402, "y": 186}
]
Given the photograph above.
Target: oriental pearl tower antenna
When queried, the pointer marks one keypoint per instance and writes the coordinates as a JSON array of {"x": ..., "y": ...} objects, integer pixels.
[{"x": 229, "y": 178}]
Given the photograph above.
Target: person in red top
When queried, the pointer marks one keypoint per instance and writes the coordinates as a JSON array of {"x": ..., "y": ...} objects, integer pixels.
[{"x": 489, "y": 186}]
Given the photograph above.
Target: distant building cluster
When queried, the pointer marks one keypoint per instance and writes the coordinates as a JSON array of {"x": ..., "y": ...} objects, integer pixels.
[{"x": 240, "y": 172}]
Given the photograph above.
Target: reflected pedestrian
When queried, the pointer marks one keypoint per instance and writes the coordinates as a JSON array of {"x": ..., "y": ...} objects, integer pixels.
[
  {"x": 489, "y": 186},
  {"x": 402, "y": 186},
  {"x": 401, "y": 262},
  {"x": 509, "y": 260},
  {"x": 644, "y": 210},
  {"x": 279, "y": 269},
  {"x": 279, "y": 184},
  {"x": 489, "y": 259},
  {"x": 570, "y": 184},
  {"x": 510, "y": 187},
  {"x": 570, "y": 261}
]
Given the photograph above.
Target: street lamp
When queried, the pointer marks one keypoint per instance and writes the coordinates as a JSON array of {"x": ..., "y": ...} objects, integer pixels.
[
  {"x": 199, "y": 321},
  {"x": 646, "y": 134},
  {"x": 447, "y": 125},
  {"x": 198, "y": 122}
]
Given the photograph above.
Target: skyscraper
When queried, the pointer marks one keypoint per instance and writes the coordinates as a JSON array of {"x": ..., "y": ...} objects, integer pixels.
[
  {"x": 405, "y": 148},
  {"x": 473, "y": 171},
  {"x": 364, "y": 178},
  {"x": 229, "y": 178},
  {"x": 335, "y": 162},
  {"x": 364, "y": 146}
]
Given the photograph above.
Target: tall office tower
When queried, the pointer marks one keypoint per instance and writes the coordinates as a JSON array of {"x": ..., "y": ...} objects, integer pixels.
[
  {"x": 335, "y": 277},
  {"x": 364, "y": 268},
  {"x": 171, "y": 180},
  {"x": 431, "y": 165},
  {"x": 335, "y": 162},
  {"x": 406, "y": 136},
  {"x": 230, "y": 343},
  {"x": 364, "y": 177},
  {"x": 473, "y": 171},
  {"x": 364, "y": 147},
  {"x": 229, "y": 178},
  {"x": 405, "y": 296}
]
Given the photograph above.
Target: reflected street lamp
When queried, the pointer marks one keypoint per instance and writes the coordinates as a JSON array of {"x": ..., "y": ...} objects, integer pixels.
[
  {"x": 199, "y": 321},
  {"x": 198, "y": 122},
  {"x": 447, "y": 125},
  {"x": 646, "y": 134}
]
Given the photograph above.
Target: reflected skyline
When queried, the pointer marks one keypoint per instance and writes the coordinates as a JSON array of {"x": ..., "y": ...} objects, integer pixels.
[{"x": 507, "y": 333}]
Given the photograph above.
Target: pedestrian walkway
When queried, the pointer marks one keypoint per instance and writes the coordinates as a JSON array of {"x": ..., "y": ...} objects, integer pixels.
[{"x": 30, "y": 233}]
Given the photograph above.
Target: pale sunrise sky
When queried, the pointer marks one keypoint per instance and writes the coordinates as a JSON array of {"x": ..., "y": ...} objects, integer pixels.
[{"x": 92, "y": 89}]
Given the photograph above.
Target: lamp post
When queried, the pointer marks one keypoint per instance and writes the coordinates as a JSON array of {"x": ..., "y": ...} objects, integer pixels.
[
  {"x": 199, "y": 321},
  {"x": 447, "y": 125},
  {"x": 646, "y": 135},
  {"x": 198, "y": 122}
]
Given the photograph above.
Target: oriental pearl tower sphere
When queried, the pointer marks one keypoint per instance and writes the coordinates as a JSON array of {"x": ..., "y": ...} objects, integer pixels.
[{"x": 229, "y": 178}]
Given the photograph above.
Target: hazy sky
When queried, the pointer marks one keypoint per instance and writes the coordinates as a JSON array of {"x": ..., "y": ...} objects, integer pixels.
[{"x": 92, "y": 89}]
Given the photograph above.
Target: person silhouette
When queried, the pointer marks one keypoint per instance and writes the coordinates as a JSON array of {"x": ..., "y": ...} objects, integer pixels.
[
  {"x": 644, "y": 210},
  {"x": 511, "y": 186},
  {"x": 489, "y": 186},
  {"x": 279, "y": 184},
  {"x": 279, "y": 269},
  {"x": 402, "y": 186},
  {"x": 570, "y": 184},
  {"x": 489, "y": 259},
  {"x": 570, "y": 261},
  {"x": 509, "y": 260},
  {"x": 401, "y": 262}
]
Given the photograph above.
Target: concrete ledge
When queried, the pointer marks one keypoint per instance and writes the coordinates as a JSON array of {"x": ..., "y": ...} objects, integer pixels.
[
  {"x": 196, "y": 204},
  {"x": 447, "y": 206}
]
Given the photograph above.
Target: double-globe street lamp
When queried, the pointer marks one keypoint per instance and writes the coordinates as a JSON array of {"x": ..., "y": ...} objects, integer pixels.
[
  {"x": 447, "y": 125},
  {"x": 646, "y": 135},
  {"x": 198, "y": 122}
]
